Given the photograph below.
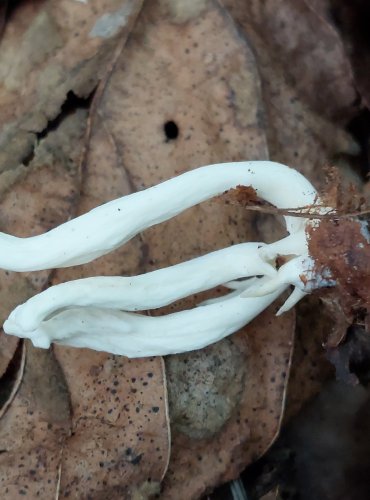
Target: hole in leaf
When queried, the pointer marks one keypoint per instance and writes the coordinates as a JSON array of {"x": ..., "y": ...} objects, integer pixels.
[{"x": 171, "y": 130}]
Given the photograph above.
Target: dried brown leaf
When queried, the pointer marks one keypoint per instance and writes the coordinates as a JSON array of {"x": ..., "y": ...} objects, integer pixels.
[
  {"x": 211, "y": 95},
  {"x": 306, "y": 46},
  {"x": 208, "y": 92},
  {"x": 33, "y": 430},
  {"x": 349, "y": 19},
  {"x": 120, "y": 438},
  {"x": 57, "y": 47},
  {"x": 307, "y": 82},
  {"x": 168, "y": 107},
  {"x": 3, "y": 12},
  {"x": 11, "y": 387},
  {"x": 130, "y": 454},
  {"x": 8, "y": 347},
  {"x": 309, "y": 93},
  {"x": 310, "y": 368},
  {"x": 232, "y": 398},
  {"x": 44, "y": 194},
  {"x": 33, "y": 200}
]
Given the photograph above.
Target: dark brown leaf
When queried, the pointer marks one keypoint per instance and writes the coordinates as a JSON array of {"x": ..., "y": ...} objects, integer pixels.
[
  {"x": 307, "y": 82},
  {"x": 13, "y": 377},
  {"x": 8, "y": 347},
  {"x": 310, "y": 368}
]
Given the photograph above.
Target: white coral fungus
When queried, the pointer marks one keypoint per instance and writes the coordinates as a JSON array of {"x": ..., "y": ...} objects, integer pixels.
[{"x": 95, "y": 312}]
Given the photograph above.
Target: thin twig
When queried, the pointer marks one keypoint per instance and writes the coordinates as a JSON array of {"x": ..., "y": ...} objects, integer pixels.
[{"x": 298, "y": 212}]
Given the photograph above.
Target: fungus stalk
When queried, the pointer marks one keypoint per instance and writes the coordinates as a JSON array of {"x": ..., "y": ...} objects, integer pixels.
[
  {"x": 147, "y": 291},
  {"x": 109, "y": 226},
  {"x": 137, "y": 335},
  {"x": 98, "y": 312}
]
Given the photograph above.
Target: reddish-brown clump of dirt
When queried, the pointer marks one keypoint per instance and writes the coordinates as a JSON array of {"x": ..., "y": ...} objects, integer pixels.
[
  {"x": 242, "y": 195},
  {"x": 341, "y": 245}
]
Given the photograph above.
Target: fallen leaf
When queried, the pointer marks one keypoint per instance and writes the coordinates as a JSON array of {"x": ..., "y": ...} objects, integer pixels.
[
  {"x": 34, "y": 429},
  {"x": 309, "y": 94},
  {"x": 33, "y": 200},
  {"x": 58, "y": 47},
  {"x": 10, "y": 387},
  {"x": 124, "y": 452},
  {"x": 3, "y": 13},
  {"x": 307, "y": 83},
  {"x": 8, "y": 347},
  {"x": 348, "y": 21},
  {"x": 310, "y": 368},
  {"x": 226, "y": 404},
  {"x": 167, "y": 108},
  {"x": 120, "y": 437},
  {"x": 222, "y": 94}
]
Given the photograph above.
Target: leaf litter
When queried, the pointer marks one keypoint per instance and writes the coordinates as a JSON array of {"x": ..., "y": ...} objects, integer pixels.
[
  {"x": 215, "y": 119},
  {"x": 227, "y": 92}
]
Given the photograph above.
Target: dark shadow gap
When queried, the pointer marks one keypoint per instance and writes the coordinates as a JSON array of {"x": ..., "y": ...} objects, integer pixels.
[
  {"x": 70, "y": 106},
  {"x": 10, "y": 376},
  {"x": 359, "y": 128}
]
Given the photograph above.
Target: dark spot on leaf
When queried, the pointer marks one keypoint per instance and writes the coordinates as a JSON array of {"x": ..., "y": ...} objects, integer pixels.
[
  {"x": 137, "y": 459},
  {"x": 171, "y": 130}
]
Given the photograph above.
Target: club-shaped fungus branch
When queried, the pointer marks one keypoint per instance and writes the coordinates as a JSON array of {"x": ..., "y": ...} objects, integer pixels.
[
  {"x": 146, "y": 291},
  {"x": 109, "y": 226},
  {"x": 94, "y": 312},
  {"x": 137, "y": 335}
]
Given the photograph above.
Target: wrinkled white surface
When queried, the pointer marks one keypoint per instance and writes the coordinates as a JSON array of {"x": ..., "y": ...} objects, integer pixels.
[
  {"x": 294, "y": 244},
  {"x": 136, "y": 335},
  {"x": 93, "y": 312},
  {"x": 108, "y": 226},
  {"x": 289, "y": 274},
  {"x": 147, "y": 291}
]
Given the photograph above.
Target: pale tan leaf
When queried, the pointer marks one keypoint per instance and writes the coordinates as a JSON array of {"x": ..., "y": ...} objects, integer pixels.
[
  {"x": 120, "y": 436},
  {"x": 33, "y": 200},
  {"x": 38, "y": 198},
  {"x": 33, "y": 430},
  {"x": 50, "y": 48},
  {"x": 209, "y": 90},
  {"x": 229, "y": 404}
]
